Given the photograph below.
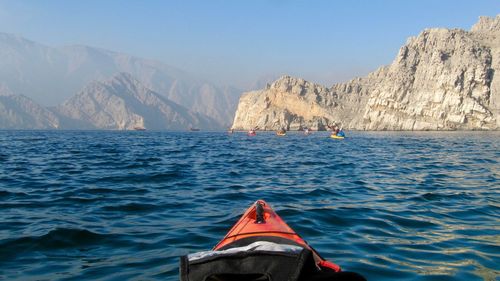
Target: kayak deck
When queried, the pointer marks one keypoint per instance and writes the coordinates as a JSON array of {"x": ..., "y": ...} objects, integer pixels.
[
  {"x": 260, "y": 220},
  {"x": 272, "y": 225}
]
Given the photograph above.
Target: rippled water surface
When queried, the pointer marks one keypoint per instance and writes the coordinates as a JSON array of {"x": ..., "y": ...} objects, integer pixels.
[{"x": 125, "y": 205}]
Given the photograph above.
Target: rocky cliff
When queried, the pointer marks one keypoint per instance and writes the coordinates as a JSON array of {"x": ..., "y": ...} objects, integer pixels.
[
  {"x": 440, "y": 80},
  {"x": 288, "y": 102}
]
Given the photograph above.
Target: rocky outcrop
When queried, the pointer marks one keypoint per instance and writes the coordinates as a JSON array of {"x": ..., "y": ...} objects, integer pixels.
[
  {"x": 123, "y": 103},
  {"x": 440, "y": 80},
  {"x": 289, "y": 103},
  {"x": 20, "y": 112}
]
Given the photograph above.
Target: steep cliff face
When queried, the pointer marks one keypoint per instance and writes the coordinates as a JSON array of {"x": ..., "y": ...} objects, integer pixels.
[
  {"x": 440, "y": 80},
  {"x": 487, "y": 33},
  {"x": 353, "y": 97},
  {"x": 123, "y": 103}
]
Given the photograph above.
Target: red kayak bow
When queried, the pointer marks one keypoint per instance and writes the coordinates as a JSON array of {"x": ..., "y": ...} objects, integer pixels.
[{"x": 260, "y": 220}]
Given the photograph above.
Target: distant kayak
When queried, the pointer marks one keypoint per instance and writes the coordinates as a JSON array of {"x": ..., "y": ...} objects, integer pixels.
[
  {"x": 251, "y": 133},
  {"x": 261, "y": 246},
  {"x": 281, "y": 132},
  {"x": 333, "y": 136}
]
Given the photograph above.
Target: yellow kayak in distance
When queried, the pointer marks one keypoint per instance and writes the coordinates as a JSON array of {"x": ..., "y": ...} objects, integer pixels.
[{"x": 333, "y": 136}]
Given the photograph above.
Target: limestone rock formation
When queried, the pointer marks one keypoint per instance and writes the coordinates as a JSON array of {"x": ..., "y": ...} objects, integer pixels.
[
  {"x": 440, "y": 80},
  {"x": 123, "y": 103},
  {"x": 289, "y": 103}
]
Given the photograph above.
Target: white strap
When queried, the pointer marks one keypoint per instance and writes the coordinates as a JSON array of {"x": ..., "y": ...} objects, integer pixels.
[{"x": 256, "y": 246}]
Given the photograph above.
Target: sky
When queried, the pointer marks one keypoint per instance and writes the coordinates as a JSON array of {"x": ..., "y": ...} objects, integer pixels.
[{"x": 237, "y": 42}]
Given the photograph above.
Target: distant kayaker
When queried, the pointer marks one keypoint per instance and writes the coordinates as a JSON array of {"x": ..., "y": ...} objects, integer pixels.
[
  {"x": 341, "y": 133},
  {"x": 335, "y": 130},
  {"x": 252, "y": 132}
]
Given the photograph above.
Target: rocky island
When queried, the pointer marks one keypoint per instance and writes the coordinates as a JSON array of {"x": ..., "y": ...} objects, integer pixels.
[{"x": 443, "y": 79}]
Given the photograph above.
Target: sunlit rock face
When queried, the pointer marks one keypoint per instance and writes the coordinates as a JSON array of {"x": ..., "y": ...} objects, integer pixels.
[
  {"x": 287, "y": 103},
  {"x": 440, "y": 80}
]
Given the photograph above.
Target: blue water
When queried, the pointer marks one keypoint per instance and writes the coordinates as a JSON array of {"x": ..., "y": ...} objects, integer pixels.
[{"x": 125, "y": 205}]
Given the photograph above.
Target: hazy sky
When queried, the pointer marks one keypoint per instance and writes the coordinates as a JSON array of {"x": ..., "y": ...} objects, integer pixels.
[{"x": 236, "y": 42}]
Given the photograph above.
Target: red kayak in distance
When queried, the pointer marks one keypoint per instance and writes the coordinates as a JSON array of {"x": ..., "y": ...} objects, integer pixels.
[{"x": 260, "y": 220}]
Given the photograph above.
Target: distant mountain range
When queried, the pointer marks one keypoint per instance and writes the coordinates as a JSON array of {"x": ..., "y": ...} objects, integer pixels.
[
  {"x": 120, "y": 103},
  {"x": 48, "y": 79}
]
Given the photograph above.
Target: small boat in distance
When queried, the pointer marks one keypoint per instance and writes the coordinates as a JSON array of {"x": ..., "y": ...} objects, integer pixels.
[
  {"x": 139, "y": 128},
  {"x": 194, "y": 129}
]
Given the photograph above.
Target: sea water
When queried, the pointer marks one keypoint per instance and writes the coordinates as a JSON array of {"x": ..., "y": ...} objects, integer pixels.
[{"x": 105, "y": 205}]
